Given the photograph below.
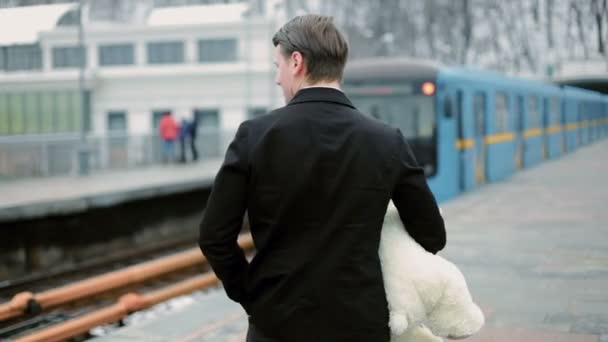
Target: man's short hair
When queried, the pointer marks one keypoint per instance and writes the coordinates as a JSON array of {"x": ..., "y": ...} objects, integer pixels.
[{"x": 324, "y": 48}]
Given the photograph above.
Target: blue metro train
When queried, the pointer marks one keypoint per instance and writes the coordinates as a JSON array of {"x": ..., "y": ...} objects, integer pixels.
[{"x": 468, "y": 127}]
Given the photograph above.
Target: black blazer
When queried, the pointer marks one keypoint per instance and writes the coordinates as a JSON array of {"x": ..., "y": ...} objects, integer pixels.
[{"x": 315, "y": 178}]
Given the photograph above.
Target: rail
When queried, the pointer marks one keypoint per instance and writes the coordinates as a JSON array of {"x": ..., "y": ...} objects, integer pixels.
[
  {"x": 131, "y": 257},
  {"x": 27, "y": 302},
  {"x": 126, "y": 304}
]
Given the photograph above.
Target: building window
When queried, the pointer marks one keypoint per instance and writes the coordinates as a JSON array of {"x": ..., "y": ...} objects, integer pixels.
[
  {"x": 117, "y": 121},
  {"x": 65, "y": 112},
  {"x": 209, "y": 135},
  {"x": 533, "y": 112},
  {"x": 217, "y": 50},
  {"x": 2, "y": 58},
  {"x": 165, "y": 52},
  {"x": 32, "y": 113},
  {"x": 479, "y": 111},
  {"x": 41, "y": 112},
  {"x": 157, "y": 115},
  {"x": 207, "y": 118},
  {"x": 122, "y": 54},
  {"x": 68, "y": 57},
  {"x": 15, "y": 109},
  {"x": 47, "y": 104},
  {"x": 5, "y": 124},
  {"x": 23, "y": 57},
  {"x": 256, "y": 111}
]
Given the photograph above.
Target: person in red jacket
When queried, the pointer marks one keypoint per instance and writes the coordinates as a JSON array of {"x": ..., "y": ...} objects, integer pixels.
[{"x": 168, "y": 133}]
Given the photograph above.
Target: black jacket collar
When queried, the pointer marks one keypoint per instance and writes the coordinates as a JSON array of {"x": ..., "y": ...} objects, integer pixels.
[{"x": 320, "y": 94}]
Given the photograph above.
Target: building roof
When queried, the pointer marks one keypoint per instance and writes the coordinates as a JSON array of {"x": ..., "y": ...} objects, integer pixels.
[
  {"x": 21, "y": 25},
  {"x": 197, "y": 14}
]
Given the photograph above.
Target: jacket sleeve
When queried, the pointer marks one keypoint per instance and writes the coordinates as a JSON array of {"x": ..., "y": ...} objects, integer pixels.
[
  {"x": 415, "y": 202},
  {"x": 223, "y": 219}
]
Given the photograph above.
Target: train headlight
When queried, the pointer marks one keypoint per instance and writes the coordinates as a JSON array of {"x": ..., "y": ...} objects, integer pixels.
[{"x": 428, "y": 88}]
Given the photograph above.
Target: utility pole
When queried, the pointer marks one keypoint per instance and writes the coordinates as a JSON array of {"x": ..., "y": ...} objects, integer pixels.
[
  {"x": 83, "y": 151},
  {"x": 248, "y": 61}
]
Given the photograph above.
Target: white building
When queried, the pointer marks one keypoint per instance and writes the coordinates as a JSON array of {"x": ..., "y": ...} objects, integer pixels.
[{"x": 212, "y": 61}]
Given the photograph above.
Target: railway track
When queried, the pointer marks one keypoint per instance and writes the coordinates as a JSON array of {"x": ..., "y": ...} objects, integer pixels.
[
  {"x": 32, "y": 313},
  {"x": 41, "y": 281}
]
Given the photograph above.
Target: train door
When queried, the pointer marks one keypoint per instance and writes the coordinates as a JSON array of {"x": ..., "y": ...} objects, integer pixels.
[
  {"x": 209, "y": 142},
  {"x": 545, "y": 131},
  {"x": 462, "y": 141},
  {"x": 564, "y": 123},
  {"x": 593, "y": 126},
  {"x": 118, "y": 148},
  {"x": 519, "y": 133},
  {"x": 579, "y": 124},
  {"x": 590, "y": 111},
  {"x": 479, "y": 117}
]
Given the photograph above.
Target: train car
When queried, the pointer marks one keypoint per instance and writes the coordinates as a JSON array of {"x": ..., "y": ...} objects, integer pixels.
[
  {"x": 604, "y": 120},
  {"x": 584, "y": 107},
  {"x": 467, "y": 127}
]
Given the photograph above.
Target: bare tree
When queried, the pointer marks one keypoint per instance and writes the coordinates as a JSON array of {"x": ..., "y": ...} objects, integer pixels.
[
  {"x": 430, "y": 10},
  {"x": 536, "y": 12},
  {"x": 467, "y": 30},
  {"x": 599, "y": 11},
  {"x": 549, "y": 22},
  {"x": 578, "y": 13}
]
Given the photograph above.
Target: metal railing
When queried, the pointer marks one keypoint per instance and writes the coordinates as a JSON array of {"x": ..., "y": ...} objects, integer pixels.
[{"x": 27, "y": 156}]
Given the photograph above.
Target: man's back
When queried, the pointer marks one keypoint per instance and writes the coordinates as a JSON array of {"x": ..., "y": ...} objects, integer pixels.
[{"x": 319, "y": 178}]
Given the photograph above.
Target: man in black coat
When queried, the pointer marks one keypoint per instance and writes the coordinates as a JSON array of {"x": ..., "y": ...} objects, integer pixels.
[{"x": 315, "y": 178}]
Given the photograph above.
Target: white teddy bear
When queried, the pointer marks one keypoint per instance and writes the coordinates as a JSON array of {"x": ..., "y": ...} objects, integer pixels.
[{"x": 423, "y": 290}]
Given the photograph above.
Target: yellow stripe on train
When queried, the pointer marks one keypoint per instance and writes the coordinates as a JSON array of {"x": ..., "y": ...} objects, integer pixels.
[
  {"x": 498, "y": 138},
  {"x": 553, "y": 129},
  {"x": 571, "y": 126},
  {"x": 533, "y": 132},
  {"x": 464, "y": 144}
]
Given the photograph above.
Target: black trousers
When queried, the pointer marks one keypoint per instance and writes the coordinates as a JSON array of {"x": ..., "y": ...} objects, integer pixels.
[
  {"x": 182, "y": 150},
  {"x": 193, "y": 149},
  {"x": 254, "y": 335}
]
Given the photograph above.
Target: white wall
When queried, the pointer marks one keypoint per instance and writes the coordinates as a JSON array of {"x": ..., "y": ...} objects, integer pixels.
[
  {"x": 139, "y": 89},
  {"x": 182, "y": 94}
]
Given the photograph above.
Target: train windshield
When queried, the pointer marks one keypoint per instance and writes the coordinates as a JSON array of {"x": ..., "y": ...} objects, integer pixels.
[{"x": 402, "y": 106}]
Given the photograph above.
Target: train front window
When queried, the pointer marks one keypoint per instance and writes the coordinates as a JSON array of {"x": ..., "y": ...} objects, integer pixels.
[
  {"x": 410, "y": 111},
  {"x": 413, "y": 115}
]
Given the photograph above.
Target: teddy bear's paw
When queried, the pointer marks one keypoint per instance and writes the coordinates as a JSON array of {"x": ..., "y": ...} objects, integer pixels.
[
  {"x": 422, "y": 334},
  {"x": 457, "y": 322},
  {"x": 398, "y": 322}
]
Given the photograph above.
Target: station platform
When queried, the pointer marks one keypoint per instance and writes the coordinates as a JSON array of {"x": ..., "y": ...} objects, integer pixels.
[
  {"x": 534, "y": 251},
  {"x": 34, "y": 198}
]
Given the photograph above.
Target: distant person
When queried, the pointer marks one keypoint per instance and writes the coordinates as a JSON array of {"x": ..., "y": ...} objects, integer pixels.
[
  {"x": 168, "y": 133},
  {"x": 183, "y": 135},
  {"x": 315, "y": 178},
  {"x": 192, "y": 133}
]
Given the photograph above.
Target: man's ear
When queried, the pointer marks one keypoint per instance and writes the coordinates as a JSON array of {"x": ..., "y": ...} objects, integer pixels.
[{"x": 297, "y": 63}]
